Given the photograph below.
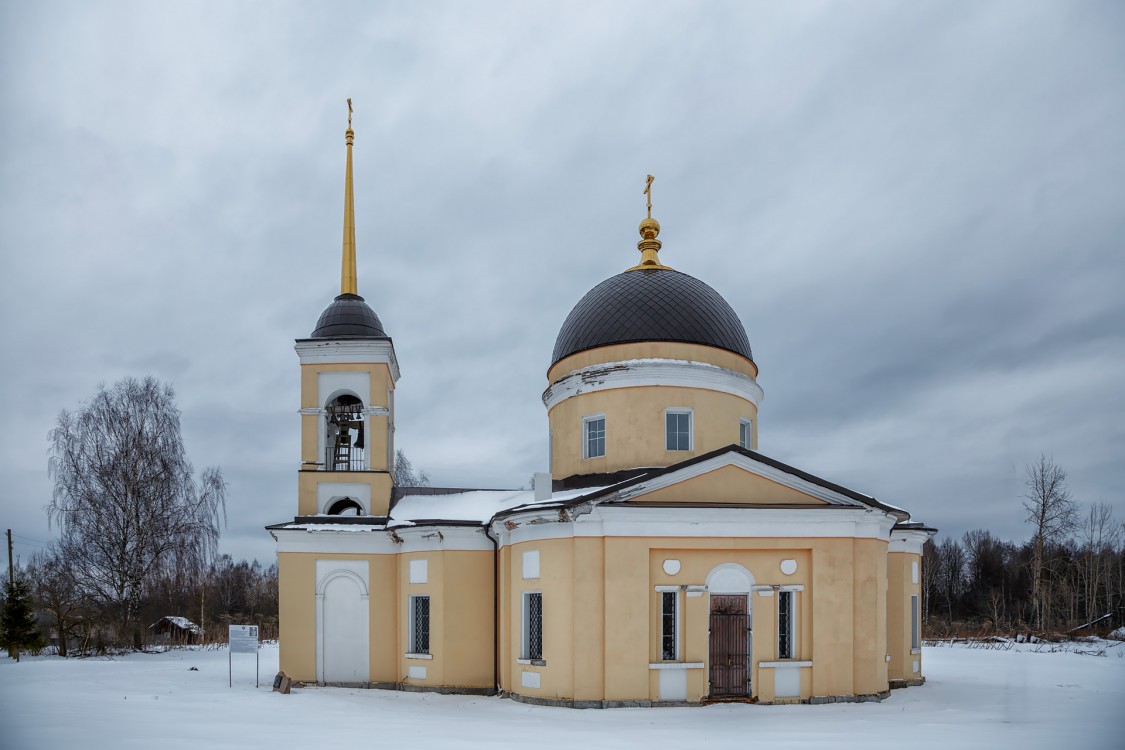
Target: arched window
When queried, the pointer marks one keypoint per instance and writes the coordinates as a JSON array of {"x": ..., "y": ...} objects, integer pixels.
[{"x": 344, "y": 435}]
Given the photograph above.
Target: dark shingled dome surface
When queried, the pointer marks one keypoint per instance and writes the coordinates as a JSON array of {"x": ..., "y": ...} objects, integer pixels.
[
  {"x": 658, "y": 305},
  {"x": 348, "y": 317}
]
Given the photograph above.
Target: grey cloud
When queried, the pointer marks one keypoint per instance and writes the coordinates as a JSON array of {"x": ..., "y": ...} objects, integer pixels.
[{"x": 914, "y": 207}]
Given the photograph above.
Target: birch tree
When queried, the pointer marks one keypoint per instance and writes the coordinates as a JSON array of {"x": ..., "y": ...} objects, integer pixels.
[
  {"x": 126, "y": 498},
  {"x": 1052, "y": 514}
]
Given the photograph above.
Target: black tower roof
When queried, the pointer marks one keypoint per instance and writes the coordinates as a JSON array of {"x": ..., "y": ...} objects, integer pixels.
[
  {"x": 348, "y": 317},
  {"x": 651, "y": 305}
]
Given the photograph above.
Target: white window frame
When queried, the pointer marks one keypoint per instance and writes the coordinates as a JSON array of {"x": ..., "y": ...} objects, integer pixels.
[
  {"x": 746, "y": 427},
  {"x": 676, "y": 608},
  {"x": 586, "y": 421},
  {"x": 412, "y": 646},
  {"x": 525, "y": 627},
  {"x": 793, "y": 630},
  {"x": 690, "y": 430}
]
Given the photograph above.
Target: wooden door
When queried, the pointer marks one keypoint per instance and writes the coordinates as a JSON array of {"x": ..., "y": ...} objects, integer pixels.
[{"x": 730, "y": 646}]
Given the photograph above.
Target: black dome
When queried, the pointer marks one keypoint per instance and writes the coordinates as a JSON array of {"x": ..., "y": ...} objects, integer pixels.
[
  {"x": 348, "y": 317},
  {"x": 652, "y": 305}
]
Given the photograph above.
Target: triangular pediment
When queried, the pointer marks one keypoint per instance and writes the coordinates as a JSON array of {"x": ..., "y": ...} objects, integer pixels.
[
  {"x": 728, "y": 485},
  {"x": 734, "y": 477}
]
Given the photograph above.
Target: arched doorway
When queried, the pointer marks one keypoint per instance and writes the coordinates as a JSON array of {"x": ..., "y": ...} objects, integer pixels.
[
  {"x": 342, "y": 629},
  {"x": 731, "y": 639}
]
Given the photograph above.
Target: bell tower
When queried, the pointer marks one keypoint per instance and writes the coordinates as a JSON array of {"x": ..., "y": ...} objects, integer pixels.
[{"x": 348, "y": 376}]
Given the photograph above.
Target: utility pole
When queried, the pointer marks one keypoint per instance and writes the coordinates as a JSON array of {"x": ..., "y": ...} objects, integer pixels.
[
  {"x": 11, "y": 568},
  {"x": 13, "y": 651}
]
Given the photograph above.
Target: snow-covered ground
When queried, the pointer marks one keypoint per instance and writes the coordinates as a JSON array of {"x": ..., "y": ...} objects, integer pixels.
[{"x": 974, "y": 698}]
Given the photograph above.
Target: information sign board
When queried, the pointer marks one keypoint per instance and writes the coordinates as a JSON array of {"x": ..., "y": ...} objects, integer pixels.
[{"x": 244, "y": 639}]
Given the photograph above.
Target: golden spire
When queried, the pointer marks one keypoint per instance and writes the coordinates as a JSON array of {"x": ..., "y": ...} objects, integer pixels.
[
  {"x": 649, "y": 229},
  {"x": 347, "y": 272}
]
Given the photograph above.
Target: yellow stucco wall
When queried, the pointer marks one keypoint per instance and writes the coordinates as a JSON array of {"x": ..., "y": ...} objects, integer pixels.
[
  {"x": 602, "y": 632},
  {"x": 376, "y": 438},
  {"x": 635, "y": 427},
  {"x": 296, "y": 616},
  {"x": 381, "y": 381},
  {"x": 468, "y": 619},
  {"x": 729, "y": 484},
  {"x": 461, "y": 616},
  {"x": 900, "y": 589},
  {"x": 380, "y": 482},
  {"x": 652, "y": 350}
]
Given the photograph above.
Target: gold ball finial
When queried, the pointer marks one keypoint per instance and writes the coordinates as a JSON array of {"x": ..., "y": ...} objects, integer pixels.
[{"x": 649, "y": 228}]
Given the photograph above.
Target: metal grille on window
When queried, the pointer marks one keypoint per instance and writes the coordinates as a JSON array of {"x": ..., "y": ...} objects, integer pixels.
[
  {"x": 668, "y": 625},
  {"x": 421, "y": 624},
  {"x": 534, "y": 626},
  {"x": 678, "y": 431},
  {"x": 785, "y": 625},
  {"x": 595, "y": 438}
]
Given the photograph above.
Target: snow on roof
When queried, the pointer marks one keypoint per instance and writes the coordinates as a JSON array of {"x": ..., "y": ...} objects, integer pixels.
[
  {"x": 182, "y": 623},
  {"x": 474, "y": 505}
]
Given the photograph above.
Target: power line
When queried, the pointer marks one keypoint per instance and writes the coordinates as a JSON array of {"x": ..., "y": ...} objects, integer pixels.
[{"x": 29, "y": 538}]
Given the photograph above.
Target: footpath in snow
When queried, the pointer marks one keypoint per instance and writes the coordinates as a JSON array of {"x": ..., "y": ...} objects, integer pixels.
[{"x": 974, "y": 698}]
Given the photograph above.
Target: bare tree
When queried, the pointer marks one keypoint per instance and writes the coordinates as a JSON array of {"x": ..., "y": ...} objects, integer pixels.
[
  {"x": 1052, "y": 514},
  {"x": 951, "y": 574},
  {"x": 56, "y": 592},
  {"x": 1100, "y": 536},
  {"x": 404, "y": 474},
  {"x": 126, "y": 497}
]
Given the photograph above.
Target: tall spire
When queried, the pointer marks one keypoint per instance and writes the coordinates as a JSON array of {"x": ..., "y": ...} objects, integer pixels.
[
  {"x": 649, "y": 229},
  {"x": 347, "y": 272}
]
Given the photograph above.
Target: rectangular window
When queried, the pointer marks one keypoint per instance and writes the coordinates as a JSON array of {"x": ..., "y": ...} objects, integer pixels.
[
  {"x": 785, "y": 625},
  {"x": 746, "y": 434},
  {"x": 533, "y": 626},
  {"x": 678, "y": 430},
  {"x": 669, "y": 650},
  {"x": 419, "y": 625},
  {"x": 593, "y": 437},
  {"x": 915, "y": 634}
]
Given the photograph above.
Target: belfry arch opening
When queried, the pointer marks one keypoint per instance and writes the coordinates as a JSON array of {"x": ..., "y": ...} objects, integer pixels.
[
  {"x": 345, "y": 506},
  {"x": 344, "y": 438}
]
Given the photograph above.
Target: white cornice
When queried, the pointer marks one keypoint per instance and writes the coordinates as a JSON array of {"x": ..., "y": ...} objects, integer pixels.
[
  {"x": 374, "y": 411},
  {"x": 653, "y": 372},
  {"x": 348, "y": 352},
  {"x": 381, "y": 541},
  {"x": 810, "y": 522},
  {"x": 908, "y": 540}
]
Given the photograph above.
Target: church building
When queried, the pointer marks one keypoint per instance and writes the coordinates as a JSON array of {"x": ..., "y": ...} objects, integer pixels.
[{"x": 663, "y": 561}]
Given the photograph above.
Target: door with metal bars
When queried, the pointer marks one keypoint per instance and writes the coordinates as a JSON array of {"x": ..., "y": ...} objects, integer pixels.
[{"x": 730, "y": 646}]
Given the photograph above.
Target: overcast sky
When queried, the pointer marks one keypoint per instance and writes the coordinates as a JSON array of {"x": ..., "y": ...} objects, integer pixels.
[{"x": 917, "y": 209}]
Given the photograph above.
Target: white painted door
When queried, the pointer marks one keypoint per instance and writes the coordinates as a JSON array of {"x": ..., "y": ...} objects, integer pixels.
[{"x": 344, "y": 632}]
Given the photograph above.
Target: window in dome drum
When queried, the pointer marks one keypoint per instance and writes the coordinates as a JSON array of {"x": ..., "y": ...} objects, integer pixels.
[
  {"x": 678, "y": 429},
  {"x": 593, "y": 436},
  {"x": 746, "y": 434}
]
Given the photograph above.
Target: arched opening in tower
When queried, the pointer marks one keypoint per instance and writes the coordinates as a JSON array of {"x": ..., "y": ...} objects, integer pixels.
[
  {"x": 344, "y": 435},
  {"x": 345, "y": 506}
]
